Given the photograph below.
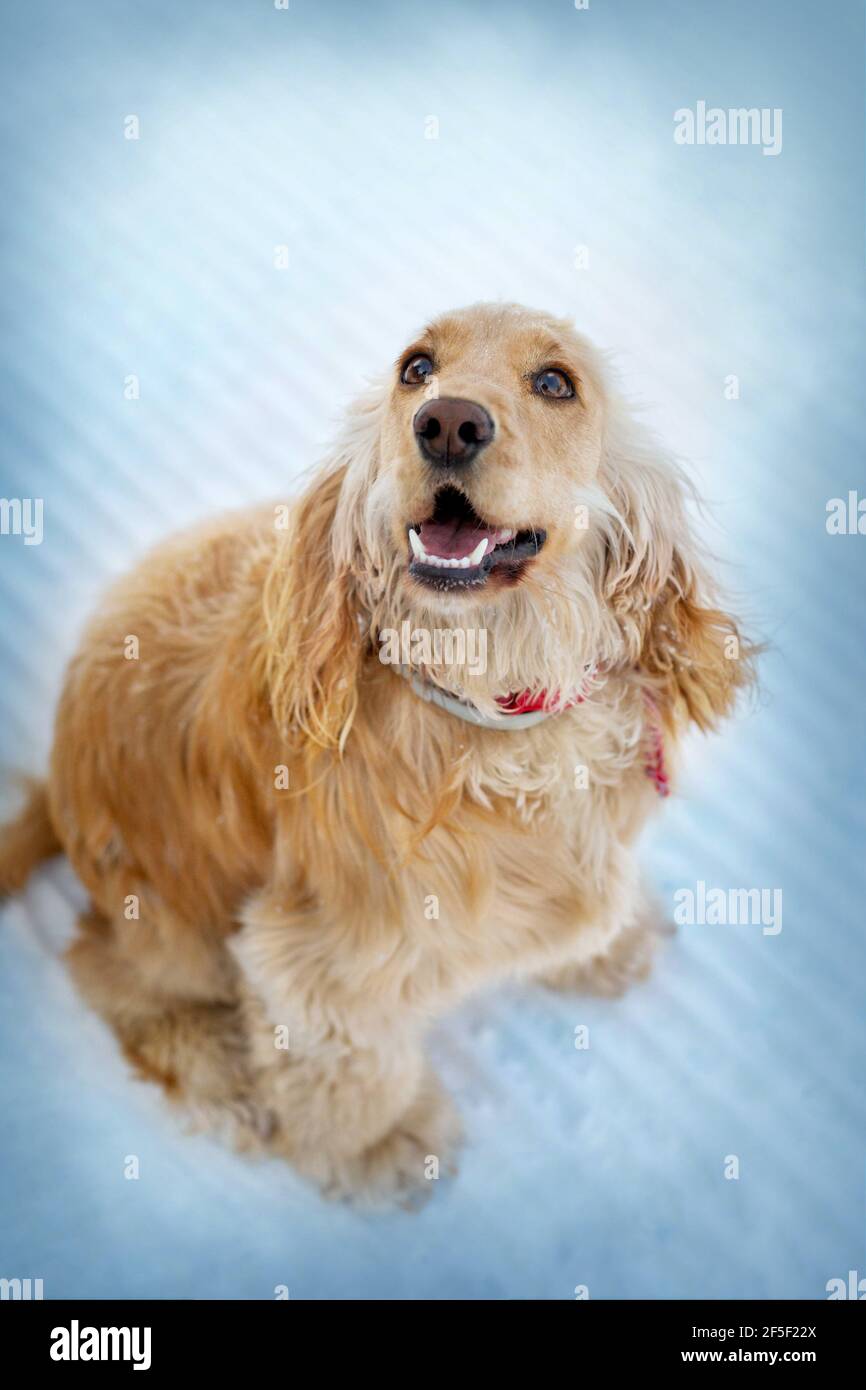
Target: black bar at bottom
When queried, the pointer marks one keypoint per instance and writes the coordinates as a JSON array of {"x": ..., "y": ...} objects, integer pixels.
[{"x": 66, "y": 1337}]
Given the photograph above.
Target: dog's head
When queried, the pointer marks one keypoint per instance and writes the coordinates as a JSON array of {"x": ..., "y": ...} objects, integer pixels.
[
  {"x": 491, "y": 431},
  {"x": 494, "y": 481}
]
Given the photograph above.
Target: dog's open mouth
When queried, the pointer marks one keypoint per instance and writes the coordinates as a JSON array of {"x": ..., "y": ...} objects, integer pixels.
[{"x": 456, "y": 549}]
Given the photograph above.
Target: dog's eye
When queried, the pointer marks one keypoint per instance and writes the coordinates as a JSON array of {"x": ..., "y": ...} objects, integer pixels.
[
  {"x": 416, "y": 370},
  {"x": 552, "y": 382}
]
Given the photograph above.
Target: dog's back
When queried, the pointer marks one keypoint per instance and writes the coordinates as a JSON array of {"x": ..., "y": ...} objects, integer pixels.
[{"x": 150, "y": 781}]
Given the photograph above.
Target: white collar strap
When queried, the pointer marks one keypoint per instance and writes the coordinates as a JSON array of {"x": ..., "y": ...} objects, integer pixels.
[{"x": 452, "y": 704}]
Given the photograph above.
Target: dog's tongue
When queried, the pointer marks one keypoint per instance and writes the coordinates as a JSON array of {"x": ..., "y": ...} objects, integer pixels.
[{"x": 454, "y": 540}]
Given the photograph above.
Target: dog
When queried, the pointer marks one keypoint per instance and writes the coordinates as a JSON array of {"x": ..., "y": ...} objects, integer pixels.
[{"x": 308, "y": 825}]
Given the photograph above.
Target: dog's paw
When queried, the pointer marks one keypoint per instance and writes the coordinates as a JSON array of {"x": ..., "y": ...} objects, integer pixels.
[
  {"x": 239, "y": 1121},
  {"x": 627, "y": 961},
  {"x": 402, "y": 1167}
]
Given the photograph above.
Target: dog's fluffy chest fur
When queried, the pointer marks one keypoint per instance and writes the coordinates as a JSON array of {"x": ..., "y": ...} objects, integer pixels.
[{"x": 492, "y": 845}]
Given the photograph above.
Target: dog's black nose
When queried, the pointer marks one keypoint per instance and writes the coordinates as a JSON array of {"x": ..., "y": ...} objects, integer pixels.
[{"x": 450, "y": 432}]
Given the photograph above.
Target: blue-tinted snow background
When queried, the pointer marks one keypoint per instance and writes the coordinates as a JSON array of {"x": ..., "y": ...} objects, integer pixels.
[{"x": 305, "y": 129}]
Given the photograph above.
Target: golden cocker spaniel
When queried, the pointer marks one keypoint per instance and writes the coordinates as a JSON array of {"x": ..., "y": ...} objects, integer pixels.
[{"x": 326, "y": 768}]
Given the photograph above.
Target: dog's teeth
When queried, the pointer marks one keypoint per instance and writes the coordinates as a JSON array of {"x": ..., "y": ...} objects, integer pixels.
[
  {"x": 478, "y": 553},
  {"x": 445, "y": 561},
  {"x": 502, "y": 537}
]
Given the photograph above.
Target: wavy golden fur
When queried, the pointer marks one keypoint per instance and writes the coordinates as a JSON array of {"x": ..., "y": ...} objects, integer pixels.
[{"x": 295, "y": 863}]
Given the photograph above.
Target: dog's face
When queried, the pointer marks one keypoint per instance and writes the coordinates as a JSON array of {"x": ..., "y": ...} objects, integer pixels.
[
  {"x": 491, "y": 428},
  {"x": 498, "y": 473}
]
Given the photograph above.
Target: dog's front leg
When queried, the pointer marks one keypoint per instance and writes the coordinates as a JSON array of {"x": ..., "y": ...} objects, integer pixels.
[
  {"x": 621, "y": 951},
  {"x": 337, "y": 1057}
]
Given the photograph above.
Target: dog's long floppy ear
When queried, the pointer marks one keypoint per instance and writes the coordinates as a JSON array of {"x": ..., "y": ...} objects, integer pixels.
[
  {"x": 689, "y": 649},
  {"x": 315, "y": 639},
  {"x": 314, "y": 643}
]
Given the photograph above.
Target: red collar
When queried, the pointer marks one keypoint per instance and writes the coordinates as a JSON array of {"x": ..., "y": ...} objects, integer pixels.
[
  {"x": 654, "y": 766},
  {"x": 524, "y": 702}
]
